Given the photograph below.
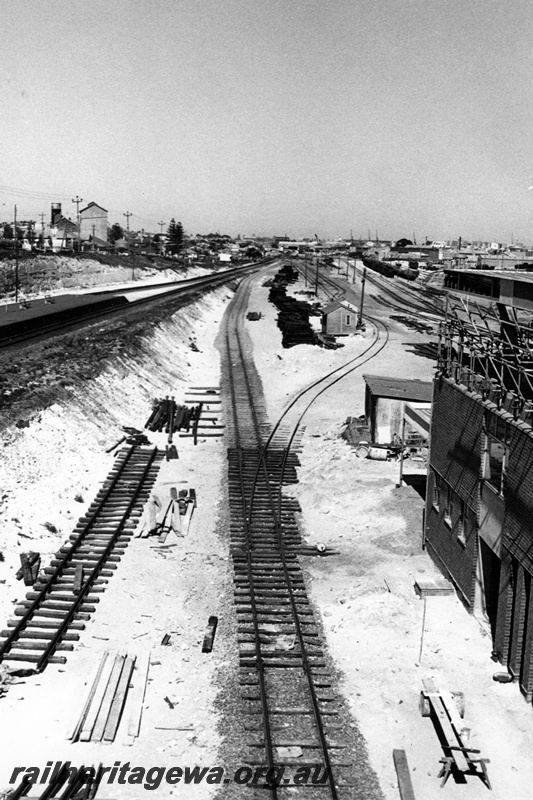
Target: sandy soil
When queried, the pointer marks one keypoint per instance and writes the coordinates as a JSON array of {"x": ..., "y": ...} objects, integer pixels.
[
  {"x": 365, "y": 596},
  {"x": 158, "y": 589}
]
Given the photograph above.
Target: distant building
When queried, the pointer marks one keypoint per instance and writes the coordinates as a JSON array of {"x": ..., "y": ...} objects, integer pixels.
[
  {"x": 93, "y": 222},
  {"x": 479, "y": 503}
]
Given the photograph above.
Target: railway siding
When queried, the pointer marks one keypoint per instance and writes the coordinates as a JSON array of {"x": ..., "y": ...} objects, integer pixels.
[
  {"x": 67, "y": 591},
  {"x": 294, "y": 715}
]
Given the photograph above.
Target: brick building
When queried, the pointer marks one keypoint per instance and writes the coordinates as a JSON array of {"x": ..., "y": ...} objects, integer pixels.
[{"x": 479, "y": 504}]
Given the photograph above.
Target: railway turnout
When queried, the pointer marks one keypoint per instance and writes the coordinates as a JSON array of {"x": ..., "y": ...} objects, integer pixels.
[{"x": 286, "y": 682}]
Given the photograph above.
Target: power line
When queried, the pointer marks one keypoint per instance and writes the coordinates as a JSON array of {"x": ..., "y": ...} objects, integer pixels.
[{"x": 31, "y": 194}]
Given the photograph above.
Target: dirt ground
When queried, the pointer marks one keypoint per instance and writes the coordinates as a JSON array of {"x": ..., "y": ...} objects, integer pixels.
[
  {"x": 51, "y": 470},
  {"x": 370, "y": 611}
]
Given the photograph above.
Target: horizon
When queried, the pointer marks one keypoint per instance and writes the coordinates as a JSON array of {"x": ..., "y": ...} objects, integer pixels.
[{"x": 295, "y": 117}]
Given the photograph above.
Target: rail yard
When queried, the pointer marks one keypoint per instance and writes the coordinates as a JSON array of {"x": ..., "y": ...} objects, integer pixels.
[{"x": 213, "y": 579}]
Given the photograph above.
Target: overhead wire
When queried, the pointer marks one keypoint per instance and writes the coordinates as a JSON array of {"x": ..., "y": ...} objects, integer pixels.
[{"x": 29, "y": 194}]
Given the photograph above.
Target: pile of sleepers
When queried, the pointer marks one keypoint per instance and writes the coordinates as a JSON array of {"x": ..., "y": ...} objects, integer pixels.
[{"x": 170, "y": 417}]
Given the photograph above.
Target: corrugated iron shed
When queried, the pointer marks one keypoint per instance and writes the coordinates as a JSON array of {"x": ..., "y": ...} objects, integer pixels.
[{"x": 400, "y": 388}]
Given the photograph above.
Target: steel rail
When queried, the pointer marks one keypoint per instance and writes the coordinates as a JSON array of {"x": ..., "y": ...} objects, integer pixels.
[
  {"x": 279, "y": 532},
  {"x": 280, "y": 554},
  {"x": 68, "y": 557},
  {"x": 202, "y": 283},
  {"x": 382, "y": 282},
  {"x": 50, "y": 649},
  {"x": 306, "y": 666},
  {"x": 269, "y": 749},
  {"x": 318, "y": 382},
  {"x": 6, "y": 646}
]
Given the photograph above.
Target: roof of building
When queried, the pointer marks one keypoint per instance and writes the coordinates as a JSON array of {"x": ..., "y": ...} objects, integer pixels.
[
  {"x": 505, "y": 274},
  {"x": 400, "y": 388},
  {"x": 100, "y": 242},
  {"x": 334, "y": 305},
  {"x": 91, "y": 205}
]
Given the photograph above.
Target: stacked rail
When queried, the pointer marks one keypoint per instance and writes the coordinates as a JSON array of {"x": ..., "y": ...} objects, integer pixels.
[
  {"x": 51, "y": 616},
  {"x": 170, "y": 417}
]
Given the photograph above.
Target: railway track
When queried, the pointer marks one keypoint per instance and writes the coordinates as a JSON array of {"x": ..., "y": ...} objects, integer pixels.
[
  {"x": 285, "y": 679},
  {"x": 51, "y": 617},
  {"x": 86, "y": 316},
  {"x": 410, "y": 300}
]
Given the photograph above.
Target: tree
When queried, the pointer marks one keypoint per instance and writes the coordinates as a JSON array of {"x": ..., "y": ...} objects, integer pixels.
[
  {"x": 8, "y": 231},
  {"x": 403, "y": 243},
  {"x": 116, "y": 233},
  {"x": 174, "y": 236}
]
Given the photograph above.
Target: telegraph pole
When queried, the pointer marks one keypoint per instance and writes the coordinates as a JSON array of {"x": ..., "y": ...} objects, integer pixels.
[
  {"x": 16, "y": 258},
  {"x": 160, "y": 248},
  {"x": 360, "y": 323},
  {"x": 316, "y": 277},
  {"x": 128, "y": 214},
  {"x": 78, "y": 200}
]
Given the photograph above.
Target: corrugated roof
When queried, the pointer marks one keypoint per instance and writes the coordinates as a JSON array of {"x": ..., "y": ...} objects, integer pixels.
[
  {"x": 401, "y": 388},
  {"x": 332, "y": 307},
  {"x": 335, "y": 304},
  {"x": 506, "y": 274}
]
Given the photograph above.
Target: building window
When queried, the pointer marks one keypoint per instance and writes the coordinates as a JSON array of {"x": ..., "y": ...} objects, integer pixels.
[
  {"x": 448, "y": 507},
  {"x": 496, "y": 452},
  {"x": 436, "y": 492},
  {"x": 348, "y": 319},
  {"x": 461, "y": 525}
]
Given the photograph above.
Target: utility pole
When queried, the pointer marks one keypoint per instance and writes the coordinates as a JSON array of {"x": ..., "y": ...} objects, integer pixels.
[
  {"x": 42, "y": 223},
  {"x": 78, "y": 200},
  {"x": 94, "y": 243},
  {"x": 160, "y": 244},
  {"x": 360, "y": 323},
  {"x": 16, "y": 258},
  {"x": 128, "y": 214},
  {"x": 316, "y": 277},
  {"x": 305, "y": 268}
]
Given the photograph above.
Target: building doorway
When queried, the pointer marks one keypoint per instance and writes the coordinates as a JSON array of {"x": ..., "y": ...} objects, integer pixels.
[{"x": 490, "y": 567}]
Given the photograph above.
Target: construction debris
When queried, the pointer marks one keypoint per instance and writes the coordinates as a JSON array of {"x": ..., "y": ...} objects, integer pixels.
[
  {"x": 170, "y": 417},
  {"x": 104, "y": 707},
  {"x": 210, "y": 634},
  {"x": 30, "y": 566},
  {"x": 448, "y": 710}
]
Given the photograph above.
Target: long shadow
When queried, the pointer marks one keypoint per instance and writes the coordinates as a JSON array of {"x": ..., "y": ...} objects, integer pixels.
[
  {"x": 417, "y": 482},
  {"x": 423, "y": 349}
]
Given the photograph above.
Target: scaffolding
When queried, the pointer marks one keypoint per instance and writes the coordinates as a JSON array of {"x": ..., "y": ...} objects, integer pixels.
[{"x": 489, "y": 350}]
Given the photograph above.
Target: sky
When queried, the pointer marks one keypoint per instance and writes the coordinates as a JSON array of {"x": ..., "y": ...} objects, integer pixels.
[{"x": 273, "y": 117}]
